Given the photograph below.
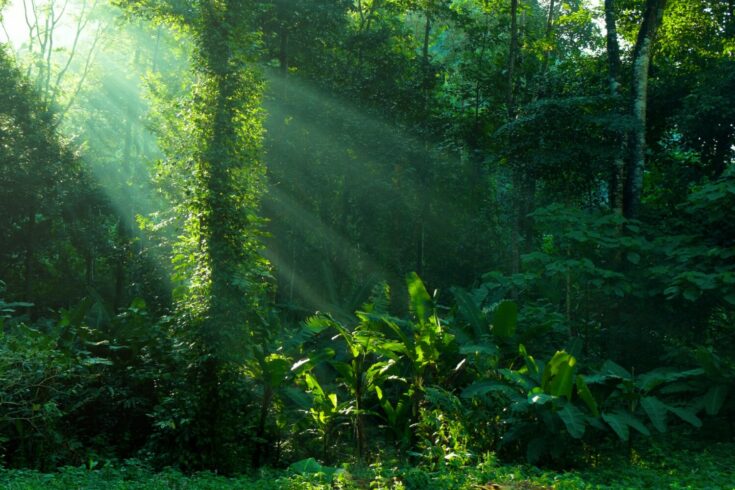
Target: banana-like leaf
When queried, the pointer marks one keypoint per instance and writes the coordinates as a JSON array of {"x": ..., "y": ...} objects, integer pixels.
[
  {"x": 652, "y": 379},
  {"x": 505, "y": 319},
  {"x": 277, "y": 368},
  {"x": 574, "y": 419},
  {"x": 531, "y": 364},
  {"x": 585, "y": 394},
  {"x": 685, "y": 415},
  {"x": 656, "y": 411},
  {"x": 558, "y": 377},
  {"x": 618, "y": 424},
  {"x": 540, "y": 398},
  {"x": 480, "y": 388},
  {"x": 470, "y": 312},
  {"x": 633, "y": 422},
  {"x": 517, "y": 378},
  {"x": 715, "y": 398},
  {"x": 313, "y": 385},
  {"x": 345, "y": 371},
  {"x": 609, "y": 370},
  {"x": 298, "y": 397},
  {"x": 420, "y": 301},
  {"x": 486, "y": 349}
]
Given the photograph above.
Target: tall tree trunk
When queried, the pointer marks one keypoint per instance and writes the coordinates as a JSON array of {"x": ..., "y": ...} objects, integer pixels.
[
  {"x": 512, "y": 55},
  {"x": 225, "y": 202},
  {"x": 283, "y": 50},
  {"x": 424, "y": 173},
  {"x": 617, "y": 174},
  {"x": 30, "y": 256},
  {"x": 639, "y": 95},
  {"x": 543, "y": 76},
  {"x": 517, "y": 173}
]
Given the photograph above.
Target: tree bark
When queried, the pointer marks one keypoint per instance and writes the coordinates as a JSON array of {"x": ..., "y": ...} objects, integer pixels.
[
  {"x": 639, "y": 96},
  {"x": 30, "y": 255},
  {"x": 617, "y": 174},
  {"x": 423, "y": 174},
  {"x": 517, "y": 174},
  {"x": 512, "y": 54}
]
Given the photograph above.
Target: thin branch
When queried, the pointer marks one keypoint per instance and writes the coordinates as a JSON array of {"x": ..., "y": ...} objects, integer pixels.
[
  {"x": 81, "y": 25},
  {"x": 82, "y": 79}
]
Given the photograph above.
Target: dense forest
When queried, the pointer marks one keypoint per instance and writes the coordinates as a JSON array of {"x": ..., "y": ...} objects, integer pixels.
[{"x": 238, "y": 235}]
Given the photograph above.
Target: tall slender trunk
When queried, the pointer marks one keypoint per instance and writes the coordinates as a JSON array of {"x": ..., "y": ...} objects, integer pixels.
[
  {"x": 517, "y": 173},
  {"x": 260, "y": 444},
  {"x": 639, "y": 96},
  {"x": 30, "y": 255},
  {"x": 543, "y": 76},
  {"x": 617, "y": 173},
  {"x": 512, "y": 55},
  {"x": 283, "y": 50},
  {"x": 424, "y": 173},
  {"x": 225, "y": 225}
]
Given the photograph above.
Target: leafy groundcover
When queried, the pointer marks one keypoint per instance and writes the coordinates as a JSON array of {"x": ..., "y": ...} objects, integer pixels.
[{"x": 709, "y": 468}]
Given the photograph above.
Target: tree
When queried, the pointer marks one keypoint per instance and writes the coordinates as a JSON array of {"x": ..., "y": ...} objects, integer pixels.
[
  {"x": 219, "y": 255},
  {"x": 642, "y": 54}
]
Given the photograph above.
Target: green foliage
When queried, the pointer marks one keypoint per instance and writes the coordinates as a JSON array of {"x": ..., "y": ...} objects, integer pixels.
[
  {"x": 665, "y": 467},
  {"x": 402, "y": 135},
  {"x": 627, "y": 397}
]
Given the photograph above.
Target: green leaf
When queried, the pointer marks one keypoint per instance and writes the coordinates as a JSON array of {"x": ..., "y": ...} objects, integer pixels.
[
  {"x": 574, "y": 419},
  {"x": 692, "y": 294},
  {"x": 583, "y": 392},
  {"x": 558, "y": 377},
  {"x": 652, "y": 379},
  {"x": 531, "y": 364},
  {"x": 298, "y": 397},
  {"x": 487, "y": 349},
  {"x": 480, "y": 388},
  {"x": 617, "y": 424},
  {"x": 318, "y": 323},
  {"x": 656, "y": 411},
  {"x": 505, "y": 319},
  {"x": 714, "y": 399},
  {"x": 633, "y": 257},
  {"x": 309, "y": 465},
  {"x": 633, "y": 422},
  {"x": 420, "y": 301},
  {"x": 685, "y": 415},
  {"x": 610, "y": 367},
  {"x": 313, "y": 385},
  {"x": 346, "y": 372},
  {"x": 97, "y": 361},
  {"x": 470, "y": 311},
  {"x": 517, "y": 378},
  {"x": 277, "y": 368},
  {"x": 298, "y": 366},
  {"x": 609, "y": 370},
  {"x": 540, "y": 398}
]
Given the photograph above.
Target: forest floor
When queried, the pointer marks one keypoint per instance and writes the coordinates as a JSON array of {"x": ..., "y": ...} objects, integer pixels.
[{"x": 711, "y": 468}]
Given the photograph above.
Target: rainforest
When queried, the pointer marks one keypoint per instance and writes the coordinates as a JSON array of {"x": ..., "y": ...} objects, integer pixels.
[{"x": 367, "y": 244}]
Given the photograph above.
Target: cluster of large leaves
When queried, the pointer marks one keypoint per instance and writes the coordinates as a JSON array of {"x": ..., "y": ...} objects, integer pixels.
[{"x": 380, "y": 366}]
